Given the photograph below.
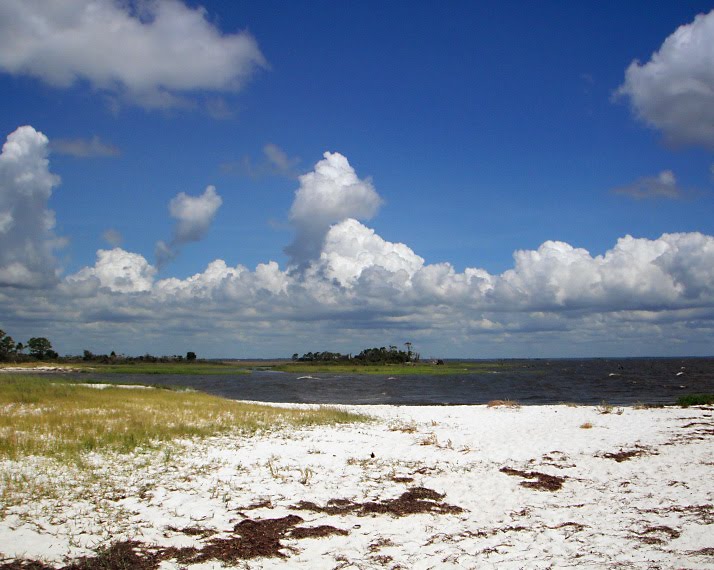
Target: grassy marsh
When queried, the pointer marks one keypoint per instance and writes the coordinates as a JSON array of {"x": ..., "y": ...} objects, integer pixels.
[
  {"x": 194, "y": 368},
  {"x": 59, "y": 420}
]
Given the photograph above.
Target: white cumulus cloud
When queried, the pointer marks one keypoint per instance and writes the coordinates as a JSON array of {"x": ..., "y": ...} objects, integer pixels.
[
  {"x": 151, "y": 52},
  {"x": 674, "y": 90},
  {"x": 118, "y": 271},
  {"x": 351, "y": 247},
  {"x": 642, "y": 296},
  {"x": 194, "y": 216},
  {"x": 329, "y": 194},
  {"x": 27, "y": 240}
]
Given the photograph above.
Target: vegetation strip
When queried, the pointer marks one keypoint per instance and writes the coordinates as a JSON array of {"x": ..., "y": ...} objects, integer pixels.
[{"x": 63, "y": 421}]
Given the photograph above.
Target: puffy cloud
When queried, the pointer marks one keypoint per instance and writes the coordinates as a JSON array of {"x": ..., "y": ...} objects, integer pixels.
[
  {"x": 27, "y": 241},
  {"x": 329, "y": 194},
  {"x": 148, "y": 52},
  {"x": 82, "y": 148},
  {"x": 118, "y": 271},
  {"x": 674, "y": 90},
  {"x": 641, "y": 296},
  {"x": 668, "y": 273},
  {"x": 194, "y": 215},
  {"x": 664, "y": 185},
  {"x": 350, "y": 248}
]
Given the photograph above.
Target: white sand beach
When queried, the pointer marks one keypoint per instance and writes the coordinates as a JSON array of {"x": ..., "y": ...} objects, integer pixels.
[{"x": 419, "y": 487}]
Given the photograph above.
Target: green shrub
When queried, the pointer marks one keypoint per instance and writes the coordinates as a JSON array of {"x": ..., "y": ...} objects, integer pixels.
[{"x": 696, "y": 400}]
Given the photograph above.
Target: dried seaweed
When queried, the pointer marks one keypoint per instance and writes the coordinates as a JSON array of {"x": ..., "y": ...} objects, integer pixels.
[
  {"x": 413, "y": 501},
  {"x": 543, "y": 481},
  {"x": 316, "y": 531},
  {"x": 251, "y": 539},
  {"x": 658, "y": 534}
]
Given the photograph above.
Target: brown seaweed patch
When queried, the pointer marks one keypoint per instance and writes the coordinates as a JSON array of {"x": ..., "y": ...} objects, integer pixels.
[
  {"x": 576, "y": 526},
  {"x": 623, "y": 455},
  {"x": 703, "y": 552},
  {"x": 702, "y": 514},
  {"x": 658, "y": 534},
  {"x": 251, "y": 539},
  {"x": 543, "y": 481},
  {"x": 256, "y": 538},
  {"x": 118, "y": 556},
  {"x": 192, "y": 531},
  {"x": 413, "y": 501},
  {"x": 316, "y": 531},
  {"x": 403, "y": 479}
]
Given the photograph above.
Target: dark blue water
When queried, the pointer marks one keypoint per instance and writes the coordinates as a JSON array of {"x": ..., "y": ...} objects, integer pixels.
[{"x": 589, "y": 381}]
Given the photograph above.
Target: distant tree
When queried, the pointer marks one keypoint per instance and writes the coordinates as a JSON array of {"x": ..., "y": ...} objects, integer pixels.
[
  {"x": 20, "y": 347},
  {"x": 40, "y": 347},
  {"x": 87, "y": 355},
  {"x": 7, "y": 346},
  {"x": 191, "y": 356},
  {"x": 408, "y": 344},
  {"x": 296, "y": 356}
]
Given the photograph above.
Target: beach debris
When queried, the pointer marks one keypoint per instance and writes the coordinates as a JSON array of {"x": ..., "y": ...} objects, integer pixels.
[
  {"x": 657, "y": 534},
  {"x": 251, "y": 539},
  {"x": 402, "y": 479},
  {"x": 316, "y": 531},
  {"x": 703, "y": 552},
  {"x": 543, "y": 481},
  {"x": 117, "y": 556},
  {"x": 255, "y": 538},
  {"x": 503, "y": 404},
  {"x": 192, "y": 531},
  {"x": 623, "y": 455},
  {"x": 415, "y": 500}
]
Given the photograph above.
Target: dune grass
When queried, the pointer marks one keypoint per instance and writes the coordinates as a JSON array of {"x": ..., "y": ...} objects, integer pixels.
[
  {"x": 42, "y": 417},
  {"x": 696, "y": 400}
]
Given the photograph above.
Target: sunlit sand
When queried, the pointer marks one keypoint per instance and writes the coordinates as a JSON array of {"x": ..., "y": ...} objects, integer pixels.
[{"x": 419, "y": 487}]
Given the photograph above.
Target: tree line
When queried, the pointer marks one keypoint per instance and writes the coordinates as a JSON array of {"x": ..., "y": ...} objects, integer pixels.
[
  {"x": 40, "y": 348},
  {"x": 381, "y": 355}
]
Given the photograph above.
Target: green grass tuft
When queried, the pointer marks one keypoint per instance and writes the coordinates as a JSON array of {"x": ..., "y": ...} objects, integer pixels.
[{"x": 696, "y": 400}]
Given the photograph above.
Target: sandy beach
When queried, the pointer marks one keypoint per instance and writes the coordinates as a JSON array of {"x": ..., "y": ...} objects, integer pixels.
[{"x": 418, "y": 487}]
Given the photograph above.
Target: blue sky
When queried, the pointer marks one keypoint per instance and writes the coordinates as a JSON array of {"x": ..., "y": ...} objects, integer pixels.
[{"x": 466, "y": 132}]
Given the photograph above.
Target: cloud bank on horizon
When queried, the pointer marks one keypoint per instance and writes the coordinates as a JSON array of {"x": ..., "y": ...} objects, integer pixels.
[
  {"x": 344, "y": 285},
  {"x": 352, "y": 278}
]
